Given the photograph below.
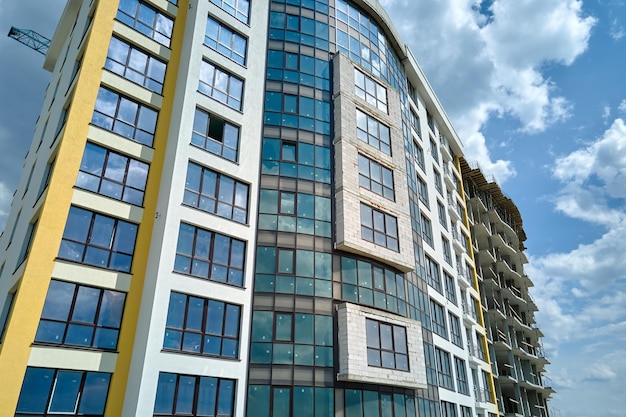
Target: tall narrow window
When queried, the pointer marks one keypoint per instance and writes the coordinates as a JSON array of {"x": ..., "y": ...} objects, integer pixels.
[
  {"x": 444, "y": 369},
  {"x": 438, "y": 317}
]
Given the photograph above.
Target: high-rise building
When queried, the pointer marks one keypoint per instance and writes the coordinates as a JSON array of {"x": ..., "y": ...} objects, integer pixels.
[{"x": 244, "y": 208}]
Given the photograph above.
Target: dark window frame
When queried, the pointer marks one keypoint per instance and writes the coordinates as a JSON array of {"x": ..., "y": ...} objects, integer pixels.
[
  {"x": 149, "y": 28},
  {"x": 371, "y": 230},
  {"x": 376, "y": 352},
  {"x": 376, "y": 177},
  {"x": 210, "y": 88},
  {"x": 373, "y": 132},
  {"x": 204, "y": 135}
]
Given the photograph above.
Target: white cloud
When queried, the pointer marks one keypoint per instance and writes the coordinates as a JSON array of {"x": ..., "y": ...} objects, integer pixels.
[
  {"x": 606, "y": 113},
  {"x": 616, "y": 31},
  {"x": 501, "y": 61},
  {"x": 622, "y": 106}
]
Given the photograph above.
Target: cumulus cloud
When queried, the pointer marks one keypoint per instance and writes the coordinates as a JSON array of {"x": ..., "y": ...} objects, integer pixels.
[{"x": 501, "y": 61}]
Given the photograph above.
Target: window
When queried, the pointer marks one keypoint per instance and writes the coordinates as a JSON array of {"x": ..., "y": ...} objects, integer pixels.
[
  {"x": 225, "y": 41},
  {"x": 379, "y": 228},
  {"x": 369, "y": 90},
  {"x": 422, "y": 190},
  {"x": 28, "y": 241},
  {"x": 447, "y": 253},
  {"x": 455, "y": 330},
  {"x": 220, "y": 85},
  {"x": 194, "y": 396},
  {"x": 443, "y": 217},
  {"x": 461, "y": 376},
  {"x": 46, "y": 177},
  {"x": 290, "y": 212},
  {"x": 375, "y": 177},
  {"x": 215, "y": 135},
  {"x": 135, "y": 65},
  {"x": 433, "y": 276},
  {"x": 216, "y": 193},
  {"x": 203, "y": 326},
  {"x": 146, "y": 20},
  {"x": 210, "y": 255},
  {"x": 434, "y": 152},
  {"x": 448, "y": 409},
  {"x": 112, "y": 174},
  {"x": 430, "y": 120},
  {"x": 438, "y": 318},
  {"x": 386, "y": 345},
  {"x": 438, "y": 183},
  {"x": 296, "y": 160},
  {"x": 450, "y": 288},
  {"x": 444, "y": 369},
  {"x": 467, "y": 412},
  {"x": 371, "y": 131},
  {"x": 125, "y": 117},
  {"x": 415, "y": 123},
  {"x": 14, "y": 228},
  {"x": 418, "y": 156},
  {"x": 468, "y": 269},
  {"x": 47, "y": 392},
  {"x": 427, "y": 230},
  {"x": 78, "y": 315},
  {"x": 98, "y": 240},
  {"x": 240, "y": 9},
  {"x": 6, "y": 310}
]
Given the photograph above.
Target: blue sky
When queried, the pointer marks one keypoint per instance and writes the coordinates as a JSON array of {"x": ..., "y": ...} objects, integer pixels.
[{"x": 536, "y": 90}]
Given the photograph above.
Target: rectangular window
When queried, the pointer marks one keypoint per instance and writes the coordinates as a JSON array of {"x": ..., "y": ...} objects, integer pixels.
[
  {"x": 434, "y": 151},
  {"x": 6, "y": 310},
  {"x": 220, "y": 85},
  {"x": 448, "y": 409},
  {"x": 216, "y": 193},
  {"x": 95, "y": 239},
  {"x": 427, "y": 230},
  {"x": 443, "y": 217},
  {"x": 146, "y": 20},
  {"x": 291, "y": 212},
  {"x": 203, "y": 326},
  {"x": 447, "y": 253},
  {"x": 415, "y": 123},
  {"x": 386, "y": 345},
  {"x": 369, "y": 90},
  {"x": 438, "y": 318},
  {"x": 444, "y": 369},
  {"x": 422, "y": 190},
  {"x": 418, "y": 156},
  {"x": 450, "y": 288},
  {"x": 135, "y": 65},
  {"x": 77, "y": 315},
  {"x": 225, "y": 40},
  {"x": 455, "y": 330},
  {"x": 46, "y": 178},
  {"x": 48, "y": 392},
  {"x": 28, "y": 241},
  {"x": 376, "y": 177},
  {"x": 438, "y": 183},
  {"x": 379, "y": 228},
  {"x": 371, "y": 131},
  {"x": 240, "y": 9},
  {"x": 112, "y": 174},
  {"x": 433, "y": 275},
  {"x": 194, "y": 396},
  {"x": 215, "y": 135},
  {"x": 210, "y": 255},
  {"x": 125, "y": 117},
  {"x": 467, "y": 412}
]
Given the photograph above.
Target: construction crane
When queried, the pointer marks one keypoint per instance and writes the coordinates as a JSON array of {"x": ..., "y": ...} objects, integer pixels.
[{"x": 31, "y": 39}]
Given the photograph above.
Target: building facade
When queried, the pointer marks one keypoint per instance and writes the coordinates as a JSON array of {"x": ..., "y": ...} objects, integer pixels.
[{"x": 246, "y": 208}]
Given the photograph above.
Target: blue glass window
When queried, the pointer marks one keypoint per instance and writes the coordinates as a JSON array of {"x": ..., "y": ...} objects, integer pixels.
[
  {"x": 291, "y": 212},
  {"x": 210, "y": 255},
  {"x": 202, "y": 326},
  {"x": 146, "y": 20},
  {"x": 444, "y": 369},
  {"x": 112, "y": 174},
  {"x": 433, "y": 275},
  {"x": 78, "y": 315},
  {"x": 125, "y": 117},
  {"x": 47, "y": 392},
  {"x": 386, "y": 345},
  {"x": 427, "y": 230},
  {"x": 379, "y": 228},
  {"x": 99, "y": 240},
  {"x": 296, "y": 160},
  {"x": 371, "y": 131},
  {"x": 135, "y": 65},
  {"x": 369, "y": 90},
  {"x": 216, "y": 193},
  {"x": 220, "y": 85},
  {"x": 225, "y": 40},
  {"x": 438, "y": 317},
  {"x": 215, "y": 135},
  {"x": 376, "y": 177},
  {"x": 240, "y": 9},
  {"x": 194, "y": 396}
]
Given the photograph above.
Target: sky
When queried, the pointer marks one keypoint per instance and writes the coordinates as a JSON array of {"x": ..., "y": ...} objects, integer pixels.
[{"x": 536, "y": 90}]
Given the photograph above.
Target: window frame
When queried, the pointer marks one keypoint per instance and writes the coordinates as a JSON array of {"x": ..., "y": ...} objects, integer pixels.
[
  {"x": 236, "y": 12},
  {"x": 223, "y": 147},
  {"x": 391, "y": 352},
  {"x": 374, "y": 132},
  {"x": 438, "y": 319},
  {"x": 150, "y": 28},
  {"x": 212, "y": 88},
  {"x": 376, "y": 177},
  {"x": 389, "y": 231},
  {"x": 218, "y": 46},
  {"x": 370, "y": 90}
]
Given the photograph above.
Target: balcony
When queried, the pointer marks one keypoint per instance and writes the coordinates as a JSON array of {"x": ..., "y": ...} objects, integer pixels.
[
  {"x": 507, "y": 375},
  {"x": 477, "y": 353},
  {"x": 483, "y": 398},
  {"x": 469, "y": 314}
]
